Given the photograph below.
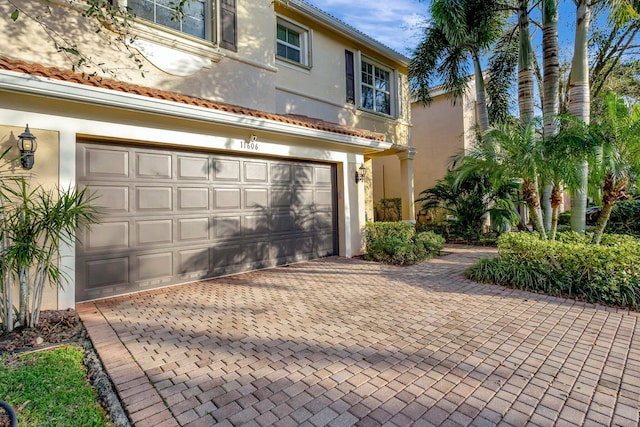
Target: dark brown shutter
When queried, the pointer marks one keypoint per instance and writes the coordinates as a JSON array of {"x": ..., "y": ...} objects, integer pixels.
[
  {"x": 350, "y": 76},
  {"x": 228, "y": 20}
]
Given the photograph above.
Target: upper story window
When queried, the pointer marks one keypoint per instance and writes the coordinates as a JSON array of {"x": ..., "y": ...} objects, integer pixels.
[
  {"x": 198, "y": 18},
  {"x": 193, "y": 20},
  {"x": 376, "y": 88},
  {"x": 292, "y": 42}
]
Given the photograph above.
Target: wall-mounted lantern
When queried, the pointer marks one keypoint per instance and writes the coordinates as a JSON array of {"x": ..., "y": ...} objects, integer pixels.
[
  {"x": 27, "y": 145},
  {"x": 360, "y": 173}
]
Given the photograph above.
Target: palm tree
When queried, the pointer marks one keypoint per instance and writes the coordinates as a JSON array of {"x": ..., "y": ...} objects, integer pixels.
[
  {"x": 509, "y": 151},
  {"x": 468, "y": 200},
  {"x": 459, "y": 34},
  {"x": 562, "y": 152},
  {"x": 620, "y": 156}
]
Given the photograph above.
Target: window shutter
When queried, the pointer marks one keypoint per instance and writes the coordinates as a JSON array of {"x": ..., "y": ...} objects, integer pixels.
[
  {"x": 350, "y": 77},
  {"x": 228, "y": 19}
]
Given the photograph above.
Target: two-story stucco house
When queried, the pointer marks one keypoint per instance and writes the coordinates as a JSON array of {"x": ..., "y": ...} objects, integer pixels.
[{"x": 237, "y": 150}]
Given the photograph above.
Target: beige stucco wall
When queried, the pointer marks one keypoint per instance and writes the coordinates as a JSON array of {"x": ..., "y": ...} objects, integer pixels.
[
  {"x": 320, "y": 89},
  {"x": 246, "y": 77},
  {"x": 438, "y": 134},
  {"x": 44, "y": 173}
]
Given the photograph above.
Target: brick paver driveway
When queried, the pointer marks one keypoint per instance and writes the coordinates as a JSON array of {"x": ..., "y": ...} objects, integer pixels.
[{"x": 343, "y": 342}]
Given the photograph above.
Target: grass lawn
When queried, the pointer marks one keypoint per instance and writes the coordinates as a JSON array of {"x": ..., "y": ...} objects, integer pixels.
[{"x": 50, "y": 388}]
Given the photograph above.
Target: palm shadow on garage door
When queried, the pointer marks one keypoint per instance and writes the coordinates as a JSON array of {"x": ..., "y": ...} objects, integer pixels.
[{"x": 171, "y": 216}]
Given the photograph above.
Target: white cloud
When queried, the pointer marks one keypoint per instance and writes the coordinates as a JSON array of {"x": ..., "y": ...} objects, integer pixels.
[{"x": 395, "y": 24}]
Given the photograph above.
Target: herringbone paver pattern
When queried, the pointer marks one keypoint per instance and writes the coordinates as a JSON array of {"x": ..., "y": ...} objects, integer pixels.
[{"x": 343, "y": 342}]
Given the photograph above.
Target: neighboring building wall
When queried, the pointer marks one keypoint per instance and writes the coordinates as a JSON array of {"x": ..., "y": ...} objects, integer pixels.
[
  {"x": 438, "y": 134},
  {"x": 439, "y": 131}
]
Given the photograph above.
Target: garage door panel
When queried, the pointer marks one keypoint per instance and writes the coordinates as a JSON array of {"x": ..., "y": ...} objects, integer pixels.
[
  {"x": 324, "y": 198},
  {"x": 193, "y": 198},
  {"x": 227, "y": 198},
  {"x": 172, "y": 216},
  {"x": 281, "y": 173},
  {"x": 302, "y": 197},
  {"x": 190, "y": 229},
  {"x": 154, "y": 232},
  {"x": 154, "y": 165},
  {"x": 283, "y": 221},
  {"x": 193, "y": 263},
  {"x": 108, "y": 235},
  {"x": 193, "y": 168},
  {"x": 281, "y": 197},
  {"x": 107, "y": 273},
  {"x": 100, "y": 162},
  {"x": 227, "y": 227},
  {"x": 323, "y": 221},
  {"x": 154, "y": 268},
  {"x": 256, "y": 224},
  {"x": 154, "y": 198},
  {"x": 303, "y": 174},
  {"x": 114, "y": 199},
  {"x": 256, "y": 198},
  {"x": 226, "y": 170},
  {"x": 323, "y": 175},
  {"x": 256, "y": 172}
]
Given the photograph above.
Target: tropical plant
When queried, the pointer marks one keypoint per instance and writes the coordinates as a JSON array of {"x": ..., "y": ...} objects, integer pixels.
[
  {"x": 620, "y": 157},
  {"x": 573, "y": 144},
  {"x": 459, "y": 33},
  {"x": 468, "y": 200},
  {"x": 34, "y": 222},
  {"x": 507, "y": 152}
]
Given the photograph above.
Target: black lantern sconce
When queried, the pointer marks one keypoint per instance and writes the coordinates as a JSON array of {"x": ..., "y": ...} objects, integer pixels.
[
  {"x": 360, "y": 173},
  {"x": 27, "y": 145}
]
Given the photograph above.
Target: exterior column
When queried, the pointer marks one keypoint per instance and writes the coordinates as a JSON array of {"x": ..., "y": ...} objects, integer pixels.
[{"x": 406, "y": 179}]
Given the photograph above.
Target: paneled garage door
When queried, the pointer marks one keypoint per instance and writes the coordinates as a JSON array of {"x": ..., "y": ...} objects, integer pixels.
[{"x": 172, "y": 216}]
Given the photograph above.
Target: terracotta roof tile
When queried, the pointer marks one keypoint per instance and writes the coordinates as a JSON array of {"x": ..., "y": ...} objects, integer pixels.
[{"x": 105, "y": 83}]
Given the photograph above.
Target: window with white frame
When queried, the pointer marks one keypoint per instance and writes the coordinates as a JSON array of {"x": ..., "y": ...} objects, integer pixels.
[
  {"x": 192, "y": 20},
  {"x": 375, "y": 87},
  {"x": 292, "y": 42}
]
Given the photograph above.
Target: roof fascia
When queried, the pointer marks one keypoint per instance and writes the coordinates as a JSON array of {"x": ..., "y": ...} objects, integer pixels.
[{"x": 12, "y": 81}]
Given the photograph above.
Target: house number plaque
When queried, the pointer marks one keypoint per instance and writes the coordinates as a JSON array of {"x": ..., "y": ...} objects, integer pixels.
[{"x": 251, "y": 144}]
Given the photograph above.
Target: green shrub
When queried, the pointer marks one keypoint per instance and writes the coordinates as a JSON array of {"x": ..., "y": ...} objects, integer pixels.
[
  {"x": 625, "y": 218},
  {"x": 608, "y": 273},
  {"x": 398, "y": 243}
]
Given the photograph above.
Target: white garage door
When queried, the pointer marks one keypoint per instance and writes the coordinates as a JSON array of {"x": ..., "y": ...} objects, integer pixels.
[{"x": 170, "y": 216}]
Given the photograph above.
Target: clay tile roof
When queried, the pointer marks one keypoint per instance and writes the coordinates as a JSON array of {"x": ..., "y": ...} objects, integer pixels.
[{"x": 105, "y": 83}]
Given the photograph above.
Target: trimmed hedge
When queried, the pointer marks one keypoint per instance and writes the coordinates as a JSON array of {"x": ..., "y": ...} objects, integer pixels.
[
  {"x": 608, "y": 273},
  {"x": 398, "y": 243}
]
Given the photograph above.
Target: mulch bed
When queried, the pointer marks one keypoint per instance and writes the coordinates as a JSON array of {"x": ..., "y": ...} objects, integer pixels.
[{"x": 54, "y": 327}]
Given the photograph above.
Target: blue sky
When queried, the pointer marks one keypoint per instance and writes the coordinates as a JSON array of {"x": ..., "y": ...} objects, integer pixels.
[{"x": 397, "y": 23}]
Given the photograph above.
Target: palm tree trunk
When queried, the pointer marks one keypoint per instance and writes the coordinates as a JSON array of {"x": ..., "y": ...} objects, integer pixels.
[
  {"x": 579, "y": 105},
  {"x": 481, "y": 95},
  {"x": 531, "y": 198},
  {"x": 525, "y": 65},
  {"x": 605, "y": 214},
  {"x": 23, "y": 307},
  {"x": 556, "y": 200},
  {"x": 551, "y": 91}
]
